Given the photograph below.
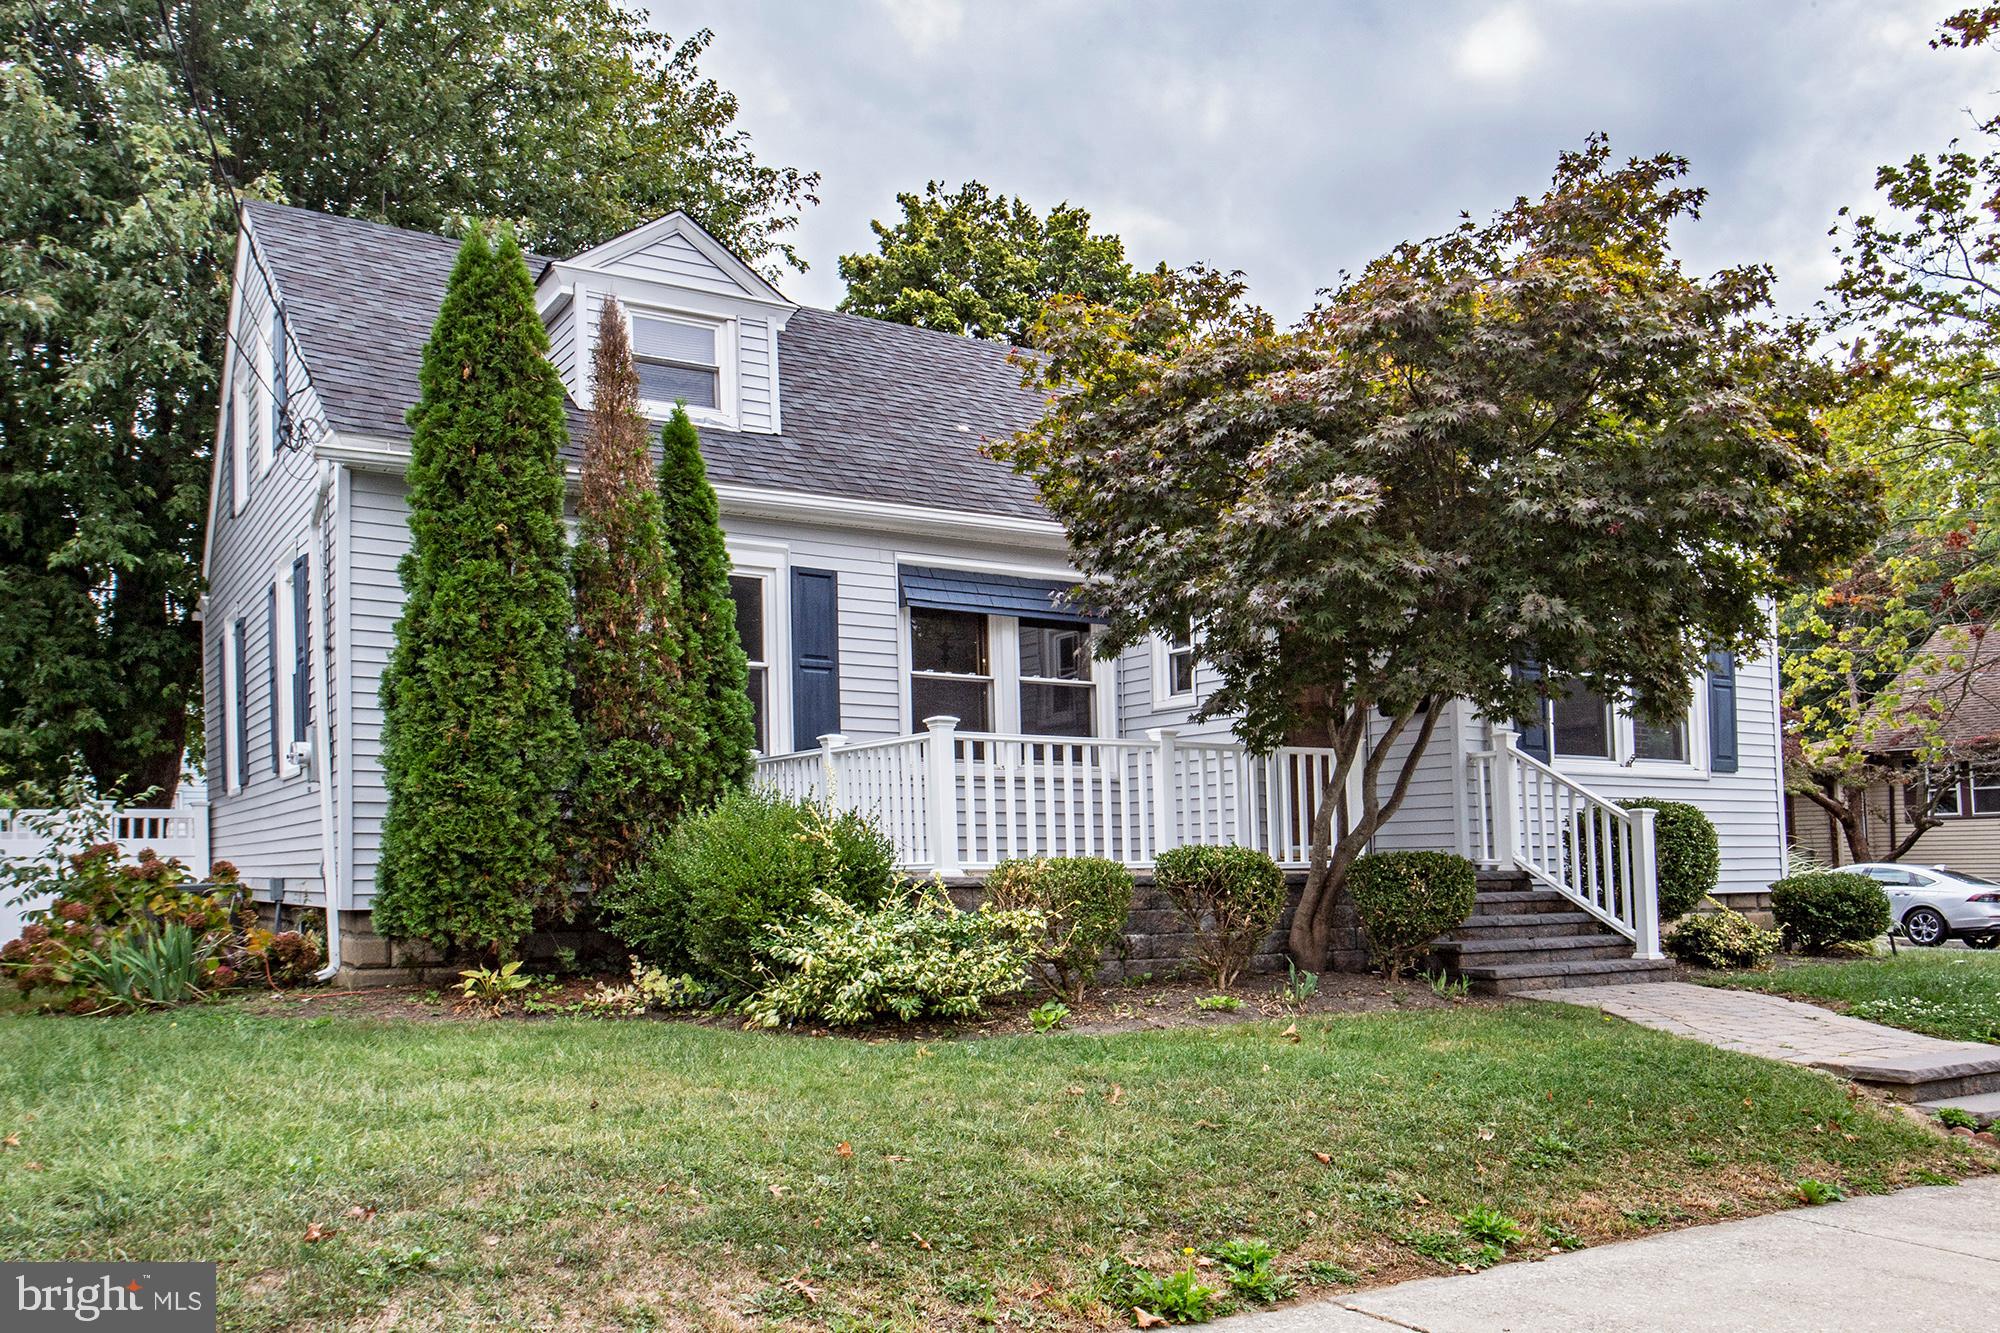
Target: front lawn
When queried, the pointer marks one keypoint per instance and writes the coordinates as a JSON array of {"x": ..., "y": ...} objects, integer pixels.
[
  {"x": 1952, "y": 993},
  {"x": 645, "y": 1174}
]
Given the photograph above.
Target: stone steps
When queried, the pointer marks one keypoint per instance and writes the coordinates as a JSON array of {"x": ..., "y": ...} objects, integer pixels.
[
  {"x": 1983, "y": 1106},
  {"x": 1516, "y": 925},
  {"x": 1521, "y": 938},
  {"x": 1513, "y": 978},
  {"x": 1531, "y": 949}
]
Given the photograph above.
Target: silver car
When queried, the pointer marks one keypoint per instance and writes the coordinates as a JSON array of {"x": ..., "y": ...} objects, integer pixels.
[{"x": 1933, "y": 904}]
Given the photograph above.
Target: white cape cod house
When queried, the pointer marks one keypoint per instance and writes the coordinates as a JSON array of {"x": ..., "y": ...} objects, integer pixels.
[{"x": 886, "y": 573}]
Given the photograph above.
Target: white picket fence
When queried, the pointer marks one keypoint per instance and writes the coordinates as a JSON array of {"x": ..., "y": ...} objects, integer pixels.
[
  {"x": 180, "y": 831},
  {"x": 960, "y": 802}
]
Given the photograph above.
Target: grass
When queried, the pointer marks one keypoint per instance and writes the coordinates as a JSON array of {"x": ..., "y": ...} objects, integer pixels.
[
  {"x": 583, "y": 1174},
  {"x": 1953, "y": 993}
]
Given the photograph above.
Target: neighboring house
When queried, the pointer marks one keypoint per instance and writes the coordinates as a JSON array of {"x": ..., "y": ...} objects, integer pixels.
[
  {"x": 1953, "y": 680},
  {"x": 886, "y": 572}
]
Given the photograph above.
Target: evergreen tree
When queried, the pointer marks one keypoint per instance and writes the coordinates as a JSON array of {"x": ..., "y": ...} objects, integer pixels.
[
  {"x": 626, "y": 656},
  {"x": 719, "y": 731},
  {"x": 479, "y": 741}
]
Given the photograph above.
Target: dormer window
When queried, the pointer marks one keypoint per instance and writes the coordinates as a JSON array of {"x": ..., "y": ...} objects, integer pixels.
[{"x": 677, "y": 362}]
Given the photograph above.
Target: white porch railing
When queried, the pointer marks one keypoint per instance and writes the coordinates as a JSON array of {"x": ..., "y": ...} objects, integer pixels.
[
  {"x": 1520, "y": 813},
  {"x": 955, "y": 801}
]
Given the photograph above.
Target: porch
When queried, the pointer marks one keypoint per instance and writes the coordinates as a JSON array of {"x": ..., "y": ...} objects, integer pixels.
[{"x": 957, "y": 803}]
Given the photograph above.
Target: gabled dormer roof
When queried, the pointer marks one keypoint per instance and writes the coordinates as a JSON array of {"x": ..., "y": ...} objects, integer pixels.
[
  {"x": 872, "y": 411},
  {"x": 682, "y": 251}
]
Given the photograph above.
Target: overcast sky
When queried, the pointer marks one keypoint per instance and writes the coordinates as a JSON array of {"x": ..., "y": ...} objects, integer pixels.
[{"x": 1292, "y": 140}]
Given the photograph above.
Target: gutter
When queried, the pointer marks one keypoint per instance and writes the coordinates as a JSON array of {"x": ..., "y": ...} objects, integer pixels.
[{"x": 329, "y": 474}]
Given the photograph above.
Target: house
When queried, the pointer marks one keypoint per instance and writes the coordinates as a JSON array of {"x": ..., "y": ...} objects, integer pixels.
[
  {"x": 1954, "y": 681},
  {"x": 897, "y": 594}
]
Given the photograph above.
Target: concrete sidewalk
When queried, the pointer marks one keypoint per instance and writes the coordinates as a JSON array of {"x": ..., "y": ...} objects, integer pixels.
[{"x": 1921, "y": 1259}]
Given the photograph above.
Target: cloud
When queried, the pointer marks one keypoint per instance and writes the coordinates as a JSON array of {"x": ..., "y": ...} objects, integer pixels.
[
  {"x": 1499, "y": 48},
  {"x": 926, "y": 25}
]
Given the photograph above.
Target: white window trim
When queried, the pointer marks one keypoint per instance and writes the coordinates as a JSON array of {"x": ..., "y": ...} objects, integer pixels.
[
  {"x": 259, "y": 396},
  {"x": 232, "y": 716},
  {"x": 771, "y": 563},
  {"x": 284, "y": 650},
  {"x": 726, "y": 414},
  {"x": 239, "y": 438},
  {"x": 1163, "y": 693},
  {"x": 1003, "y": 679},
  {"x": 1625, "y": 747}
]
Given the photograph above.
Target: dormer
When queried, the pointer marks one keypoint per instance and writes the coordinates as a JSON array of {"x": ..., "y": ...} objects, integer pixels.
[{"x": 704, "y": 324}]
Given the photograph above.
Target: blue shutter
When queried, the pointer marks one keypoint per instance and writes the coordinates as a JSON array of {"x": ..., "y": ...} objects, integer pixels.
[
  {"x": 242, "y": 713},
  {"x": 281, "y": 392},
  {"x": 219, "y": 752},
  {"x": 271, "y": 651},
  {"x": 815, "y": 656},
  {"x": 1722, "y": 753},
  {"x": 1534, "y": 732},
  {"x": 301, "y": 648}
]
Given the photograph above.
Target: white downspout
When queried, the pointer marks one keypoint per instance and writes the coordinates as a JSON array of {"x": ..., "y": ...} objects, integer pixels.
[{"x": 329, "y": 868}]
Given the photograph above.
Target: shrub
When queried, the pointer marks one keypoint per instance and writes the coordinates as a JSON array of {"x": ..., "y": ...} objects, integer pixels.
[
  {"x": 1408, "y": 899},
  {"x": 1083, "y": 902},
  {"x": 145, "y": 967},
  {"x": 1819, "y": 910},
  {"x": 920, "y": 959},
  {"x": 1688, "y": 854},
  {"x": 1231, "y": 897},
  {"x": 705, "y": 897},
  {"x": 287, "y": 958},
  {"x": 1721, "y": 939}
]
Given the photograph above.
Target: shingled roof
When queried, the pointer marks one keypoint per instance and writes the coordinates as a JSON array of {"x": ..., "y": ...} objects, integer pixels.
[
  {"x": 872, "y": 411},
  {"x": 1954, "y": 680}
]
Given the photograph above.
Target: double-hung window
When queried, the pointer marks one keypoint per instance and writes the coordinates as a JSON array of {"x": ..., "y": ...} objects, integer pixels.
[
  {"x": 1057, "y": 698},
  {"x": 1177, "y": 666},
  {"x": 1581, "y": 724},
  {"x": 1664, "y": 741},
  {"x": 747, "y": 591},
  {"x": 951, "y": 667},
  {"x": 235, "y": 757},
  {"x": 677, "y": 361},
  {"x": 1985, "y": 789}
]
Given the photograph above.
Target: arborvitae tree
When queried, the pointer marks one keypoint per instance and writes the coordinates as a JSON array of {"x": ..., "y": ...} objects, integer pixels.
[
  {"x": 480, "y": 741},
  {"x": 626, "y": 656},
  {"x": 719, "y": 734}
]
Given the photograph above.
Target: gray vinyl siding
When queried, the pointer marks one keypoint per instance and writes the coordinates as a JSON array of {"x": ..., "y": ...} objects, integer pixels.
[
  {"x": 674, "y": 260},
  {"x": 1428, "y": 819},
  {"x": 270, "y": 829},
  {"x": 378, "y": 533},
  {"x": 755, "y": 408},
  {"x": 565, "y": 346}
]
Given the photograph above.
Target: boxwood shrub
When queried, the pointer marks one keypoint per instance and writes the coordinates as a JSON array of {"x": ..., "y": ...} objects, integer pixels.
[
  {"x": 1408, "y": 899},
  {"x": 1687, "y": 851},
  {"x": 1822, "y": 909},
  {"x": 706, "y": 896},
  {"x": 1721, "y": 939},
  {"x": 1231, "y": 897},
  {"x": 1084, "y": 902}
]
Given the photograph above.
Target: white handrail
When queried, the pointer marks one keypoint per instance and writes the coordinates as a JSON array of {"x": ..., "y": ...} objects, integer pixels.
[{"x": 1523, "y": 814}]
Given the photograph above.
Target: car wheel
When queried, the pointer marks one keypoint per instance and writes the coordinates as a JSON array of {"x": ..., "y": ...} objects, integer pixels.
[
  {"x": 1925, "y": 926},
  {"x": 1984, "y": 941}
]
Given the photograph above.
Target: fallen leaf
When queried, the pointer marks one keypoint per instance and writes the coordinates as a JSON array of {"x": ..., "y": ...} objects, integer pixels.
[
  {"x": 492, "y": 1242},
  {"x": 315, "y": 1233},
  {"x": 778, "y": 1191},
  {"x": 892, "y": 1157},
  {"x": 1147, "y": 1319},
  {"x": 799, "y": 1285},
  {"x": 32, "y": 1166},
  {"x": 1117, "y": 1095},
  {"x": 1323, "y": 1158},
  {"x": 1485, "y": 1135},
  {"x": 661, "y": 1189},
  {"x": 844, "y": 1150},
  {"x": 1074, "y": 1091},
  {"x": 11, "y": 1141},
  {"x": 1748, "y": 1102},
  {"x": 1291, "y": 1034},
  {"x": 1206, "y": 1124},
  {"x": 361, "y": 1212},
  {"x": 922, "y": 1244}
]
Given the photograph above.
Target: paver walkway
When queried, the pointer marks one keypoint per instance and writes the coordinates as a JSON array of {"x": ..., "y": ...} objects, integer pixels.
[
  {"x": 1923, "y": 1259},
  {"x": 1781, "y": 1029}
]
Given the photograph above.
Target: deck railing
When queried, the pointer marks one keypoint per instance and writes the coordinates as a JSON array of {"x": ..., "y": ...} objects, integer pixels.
[
  {"x": 960, "y": 801},
  {"x": 1521, "y": 813}
]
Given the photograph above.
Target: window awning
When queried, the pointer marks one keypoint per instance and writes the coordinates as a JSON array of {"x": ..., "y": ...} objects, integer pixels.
[{"x": 988, "y": 594}]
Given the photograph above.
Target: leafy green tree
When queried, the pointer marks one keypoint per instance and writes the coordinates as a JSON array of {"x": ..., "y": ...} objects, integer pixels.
[
  {"x": 714, "y": 727},
  {"x": 479, "y": 742},
  {"x": 570, "y": 118},
  {"x": 626, "y": 656},
  {"x": 984, "y": 264},
  {"x": 1535, "y": 437}
]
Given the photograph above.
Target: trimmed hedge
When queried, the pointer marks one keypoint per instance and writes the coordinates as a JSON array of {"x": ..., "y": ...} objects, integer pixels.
[
  {"x": 1231, "y": 898},
  {"x": 1688, "y": 852},
  {"x": 1820, "y": 910},
  {"x": 1721, "y": 939},
  {"x": 1408, "y": 899},
  {"x": 706, "y": 896},
  {"x": 1084, "y": 902}
]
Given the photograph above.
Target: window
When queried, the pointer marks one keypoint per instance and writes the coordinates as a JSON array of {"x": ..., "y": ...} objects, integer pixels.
[
  {"x": 1581, "y": 724},
  {"x": 1986, "y": 791},
  {"x": 950, "y": 675},
  {"x": 1652, "y": 741},
  {"x": 1177, "y": 667},
  {"x": 257, "y": 375},
  {"x": 1943, "y": 785},
  {"x": 676, "y": 362},
  {"x": 238, "y": 428},
  {"x": 235, "y": 743},
  {"x": 747, "y": 591},
  {"x": 1891, "y": 875},
  {"x": 1057, "y": 697}
]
